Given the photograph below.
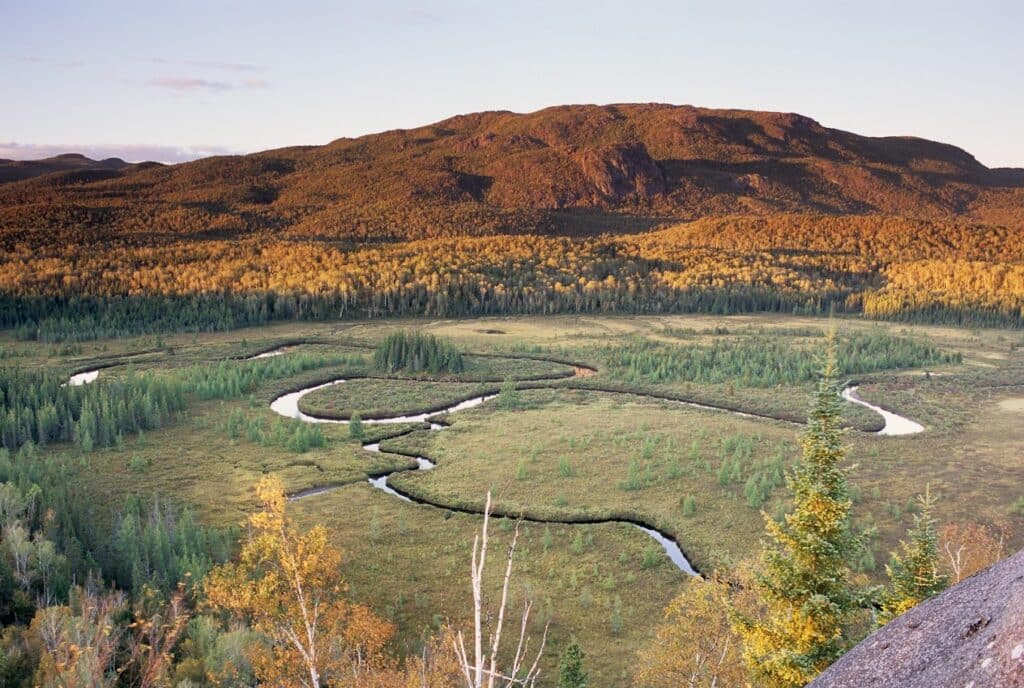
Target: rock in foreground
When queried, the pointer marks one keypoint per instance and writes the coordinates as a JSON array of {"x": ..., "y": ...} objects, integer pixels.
[{"x": 970, "y": 636}]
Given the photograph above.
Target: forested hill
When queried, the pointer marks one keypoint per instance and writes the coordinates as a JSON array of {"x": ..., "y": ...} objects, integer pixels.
[
  {"x": 68, "y": 168},
  {"x": 611, "y": 167}
]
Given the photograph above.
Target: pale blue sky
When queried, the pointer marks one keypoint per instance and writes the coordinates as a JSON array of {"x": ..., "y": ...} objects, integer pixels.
[{"x": 173, "y": 79}]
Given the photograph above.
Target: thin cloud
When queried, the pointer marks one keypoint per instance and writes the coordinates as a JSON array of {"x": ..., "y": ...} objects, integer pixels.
[
  {"x": 209, "y": 64},
  {"x": 256, "y": 83},
  {"x": 412, "y": 16},
  {"x": 69, "y": 64},
  {"x": 230, "y": 66},
  {"x": 131, "y": 152},
  {"x": 189, "y": 84}
]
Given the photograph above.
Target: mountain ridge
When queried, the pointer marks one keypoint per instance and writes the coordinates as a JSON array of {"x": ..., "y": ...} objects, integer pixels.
[
  {"x": 498, "y": 171},
  {"x": 69, "y": 163}
]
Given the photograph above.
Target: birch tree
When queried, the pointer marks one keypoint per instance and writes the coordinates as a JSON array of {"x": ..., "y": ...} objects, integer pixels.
[
  {"x": 480, "y": 662},
  {"x": 287, "y": 583}
]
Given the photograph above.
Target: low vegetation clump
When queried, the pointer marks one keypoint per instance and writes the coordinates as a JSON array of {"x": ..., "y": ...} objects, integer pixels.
[
  {"x": 381, "y": 398},
  {"x": 416, "y": 352},
  {"x": 295, "y": 436},
  {"x": 766, "y": 361},
  {"x": 234, "y": 379}
]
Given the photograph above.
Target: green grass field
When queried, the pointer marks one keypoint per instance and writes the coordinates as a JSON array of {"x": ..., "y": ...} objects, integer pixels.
[{"x": 563, "y": 451}]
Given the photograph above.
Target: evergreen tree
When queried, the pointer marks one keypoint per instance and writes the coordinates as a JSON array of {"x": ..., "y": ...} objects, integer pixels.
[
  {"x": 508, "y": 396},
  {"x": 415, "y": 352},
  {"x": 570, "y": 667},
  {"x": 803, "y": 580},
  {"x": 914, "y": 571},
  {"x": 355, "y": 426}
]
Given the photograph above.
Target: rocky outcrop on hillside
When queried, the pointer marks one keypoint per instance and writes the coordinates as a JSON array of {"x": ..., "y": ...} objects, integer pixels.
[{"x": 970, "y": 636}]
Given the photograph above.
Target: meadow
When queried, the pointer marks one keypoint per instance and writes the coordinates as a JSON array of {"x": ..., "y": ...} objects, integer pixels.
[{"x": 588, "y": 425}]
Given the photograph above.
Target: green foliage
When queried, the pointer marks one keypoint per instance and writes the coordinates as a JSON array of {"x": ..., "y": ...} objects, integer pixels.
[
  {"x": 689, "y": 505},
  {"x": 675, "y": 470},
  {"x": 914, "y": 570},
  {"x": 547, "y": 540},
  {"x": 615, "y": 618},
  {"x": 508, "y": 395},
  {"x": 162, "y": 546},
  {"x": 355, "y": 426},
  {"x": 521, "y": 471},
  {"x": 578, "y": 543},
  {"x": 293, "y": 435},
  {"x": 565, "y": 468},
  {"x": 416, "y": 352},
  {"x": 804, "y": 576},
  {"x": 38, "y": 407},
  {"x": 158, "y": 546},
  {"x": 235, "y": 379},
  {"x": 138, "y": 463},
  {"x": 83, "y": 318},
  {"x": 570, "y": 667},
  {"x": 765, "y": 360},
  {"x": 212, "y": 656}
]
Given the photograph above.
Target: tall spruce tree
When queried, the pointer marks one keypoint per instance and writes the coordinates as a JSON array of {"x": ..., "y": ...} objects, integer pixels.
[
  {"x": 803, "y": 579},
  {"x": 914, "y": 570}
]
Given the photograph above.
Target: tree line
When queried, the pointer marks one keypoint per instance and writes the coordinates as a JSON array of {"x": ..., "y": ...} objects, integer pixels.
[{"x": 881, "y": 267}]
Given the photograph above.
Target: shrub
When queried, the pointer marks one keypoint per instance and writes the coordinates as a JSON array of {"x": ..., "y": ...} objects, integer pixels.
[
  {"x": 355, "y": 427},
  {"x": 508, "y": 396}
]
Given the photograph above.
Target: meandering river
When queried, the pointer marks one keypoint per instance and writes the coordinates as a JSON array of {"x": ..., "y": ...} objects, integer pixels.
[
  {"x": 287, "y": 405},
  {"x": 83, "y": 378},
  {"x": 895, "y": 424}
]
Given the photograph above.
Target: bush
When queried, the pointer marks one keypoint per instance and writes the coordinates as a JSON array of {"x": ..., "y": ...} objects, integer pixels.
[
  {"x": 522, "y": 473},
  {"x": 355, "y": 427},
  {"x": 565, "y": 468},
  {"x": 652, "y": 557},
  {"x": 508, "y": 396}
]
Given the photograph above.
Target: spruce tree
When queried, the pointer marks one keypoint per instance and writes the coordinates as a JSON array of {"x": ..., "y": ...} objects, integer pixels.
[
  {"x": 914, "y": 570},
  {"x": 355, "y": 426},
  {"x": 570, "y": 667},
  {"x": 803, "y": 578},
  {"x": 508, "y": 396}
]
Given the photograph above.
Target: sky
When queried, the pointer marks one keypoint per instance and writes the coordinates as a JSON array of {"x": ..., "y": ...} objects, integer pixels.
[{"x": 172, "y": 81}]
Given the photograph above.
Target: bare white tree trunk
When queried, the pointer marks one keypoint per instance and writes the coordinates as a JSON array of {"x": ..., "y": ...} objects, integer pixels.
[
  {"x": 955, "y": 561},
  {"x": 481, "y": 670}
]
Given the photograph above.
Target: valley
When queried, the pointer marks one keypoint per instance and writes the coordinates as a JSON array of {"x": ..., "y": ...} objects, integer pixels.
[{"x": 583, "y": 425}]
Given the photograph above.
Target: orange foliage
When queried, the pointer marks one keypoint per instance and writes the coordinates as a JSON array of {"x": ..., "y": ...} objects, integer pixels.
[
  {"x": 288, "y": 585},
  {"x": 966, "y": 548}
]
